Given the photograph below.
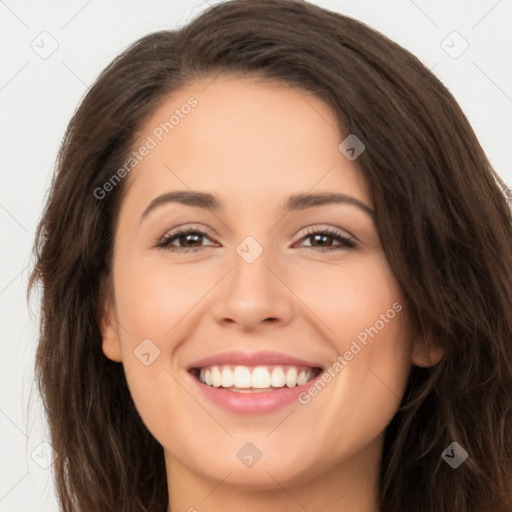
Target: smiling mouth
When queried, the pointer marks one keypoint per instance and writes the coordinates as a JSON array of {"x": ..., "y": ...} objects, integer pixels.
[{"x": 254, "y": 379}]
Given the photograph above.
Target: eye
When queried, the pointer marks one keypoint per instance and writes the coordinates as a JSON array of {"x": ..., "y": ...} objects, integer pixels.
[
  {"x": 186, "y": 235},
  {"x": 191, "y": 237},
  {"x": 324, "y": 235}
]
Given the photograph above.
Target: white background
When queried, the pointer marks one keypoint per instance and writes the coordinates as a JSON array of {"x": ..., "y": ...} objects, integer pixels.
[{"x": 38, "y": 97}]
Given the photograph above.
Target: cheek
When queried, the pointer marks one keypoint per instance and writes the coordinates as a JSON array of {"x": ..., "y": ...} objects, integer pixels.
[
  {"x": 363, "y": 389},
  {"x": 150, "y": 301},
  {"x": 347, "y": 296},
  {"x": 153, "y": 297},
  {"x": 155, "y": 302},
  {"x": 364, "y": 319}
]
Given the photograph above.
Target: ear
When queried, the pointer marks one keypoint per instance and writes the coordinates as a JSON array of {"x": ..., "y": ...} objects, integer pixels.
[
  {"x": 107, "y": 322},
  {"x": 426, "y": 352}
]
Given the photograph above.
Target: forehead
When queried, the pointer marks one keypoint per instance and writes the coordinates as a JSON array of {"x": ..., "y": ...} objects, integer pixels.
[{"x": 246, "y": 137}]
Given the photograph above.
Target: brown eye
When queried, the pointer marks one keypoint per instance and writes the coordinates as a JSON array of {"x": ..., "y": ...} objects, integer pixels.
[
  {"x": 188, "y": 240},
  {"x": 325, "y": 237}
]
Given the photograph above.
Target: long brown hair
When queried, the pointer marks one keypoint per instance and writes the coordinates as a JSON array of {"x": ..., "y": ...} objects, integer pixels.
[{"x": 443, "y": 220}]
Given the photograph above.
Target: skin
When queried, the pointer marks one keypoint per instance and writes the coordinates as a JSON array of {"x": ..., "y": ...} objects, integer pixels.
[{"x": 244, "y": 141}]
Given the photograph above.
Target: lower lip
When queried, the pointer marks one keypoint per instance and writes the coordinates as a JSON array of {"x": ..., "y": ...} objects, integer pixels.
[{"x": 253, "y": 403}]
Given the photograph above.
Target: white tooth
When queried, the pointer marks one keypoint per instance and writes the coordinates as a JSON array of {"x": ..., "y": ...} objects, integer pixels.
[
  {"x": 227, "y": 378},
  {"x": 216, "y": 377},
  {"x": 207, "y": 377},
  {"x": 302, "y": 378},
  {"x": 251, "y": 391},
  {"x": 291, "y": 377},
  {"x": 260, "y": 377},
  {"x": 278, "y": 379},
  {"x": 242, "y": 377}
]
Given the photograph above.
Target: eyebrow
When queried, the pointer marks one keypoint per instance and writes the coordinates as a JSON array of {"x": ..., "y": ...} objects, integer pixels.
[{"x": 293, "y": 203}]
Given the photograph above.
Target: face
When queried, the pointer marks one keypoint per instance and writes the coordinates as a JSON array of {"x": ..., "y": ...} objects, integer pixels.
[{"x": 198, "y": 285}]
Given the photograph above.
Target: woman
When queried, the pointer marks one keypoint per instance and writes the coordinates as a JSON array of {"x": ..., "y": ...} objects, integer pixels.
[{"x": 337, "y": 336}]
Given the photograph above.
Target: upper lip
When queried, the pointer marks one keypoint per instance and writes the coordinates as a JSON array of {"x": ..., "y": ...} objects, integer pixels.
[{"x": 251, "y": 359}]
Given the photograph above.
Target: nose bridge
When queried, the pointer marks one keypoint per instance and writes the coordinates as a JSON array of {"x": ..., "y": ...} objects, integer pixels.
[
  {"x": 253, "y": 293},
  {"x": 254, "y": 250},
  {"x": 251, "y": 265}
]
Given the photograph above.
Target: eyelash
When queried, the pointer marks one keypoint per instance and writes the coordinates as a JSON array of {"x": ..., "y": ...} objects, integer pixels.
[{"x": 165, "y": 241}]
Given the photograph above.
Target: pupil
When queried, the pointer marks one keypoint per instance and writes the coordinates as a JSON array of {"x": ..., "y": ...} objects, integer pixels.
[
  {"x": 195, "y": 235},
  {"x": 316, "y": 237}
]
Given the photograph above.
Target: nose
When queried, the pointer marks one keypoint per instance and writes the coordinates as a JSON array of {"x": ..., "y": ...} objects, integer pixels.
[{"x": 254, "y": 293}]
